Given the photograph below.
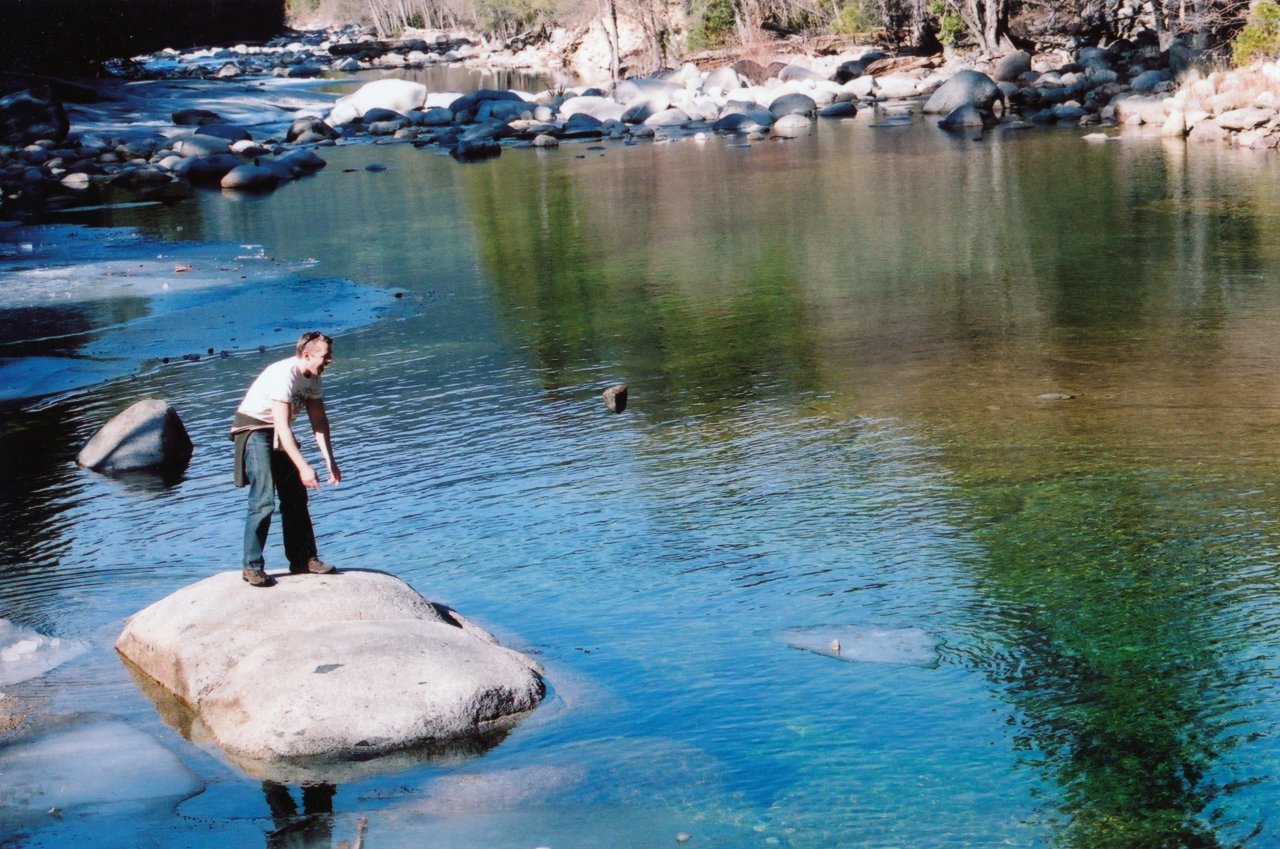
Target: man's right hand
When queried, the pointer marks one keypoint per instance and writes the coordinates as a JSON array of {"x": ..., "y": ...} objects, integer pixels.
[{"x": 308, "y": 475}]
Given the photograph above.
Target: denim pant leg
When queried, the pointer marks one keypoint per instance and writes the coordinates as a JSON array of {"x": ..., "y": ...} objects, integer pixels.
[
  {"x": 295, "y": 518},
  {"x": 262, "y": 503}
]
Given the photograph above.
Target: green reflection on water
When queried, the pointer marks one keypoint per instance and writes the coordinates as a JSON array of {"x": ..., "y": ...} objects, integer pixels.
[
  {"x": 1108, "y": 577},
  {"x": 1115, "y": 598},
  {"x": 583, "y": 299}
]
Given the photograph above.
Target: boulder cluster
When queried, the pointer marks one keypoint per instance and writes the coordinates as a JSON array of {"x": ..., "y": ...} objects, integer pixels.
[
  {"x": 43, "y": 166},
  {"x": 303, "y": 55},
  {"x": 1126, "y": 84},
  {"x": 1240, "y": 108}
]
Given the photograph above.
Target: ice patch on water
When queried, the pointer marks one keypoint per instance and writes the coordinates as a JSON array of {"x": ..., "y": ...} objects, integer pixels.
[
  {"x": 25, "y": 654},
  {"x": 90, "y": 761},
  {"x": 170, "y": 302},
  {"x": 867, "y": 644}
]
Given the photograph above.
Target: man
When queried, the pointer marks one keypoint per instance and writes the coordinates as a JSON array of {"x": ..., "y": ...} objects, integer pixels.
[{"x": 270, "y": 463}]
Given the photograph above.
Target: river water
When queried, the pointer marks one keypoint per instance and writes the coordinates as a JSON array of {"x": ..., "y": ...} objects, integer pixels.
[{"x": 848, "y": 358}]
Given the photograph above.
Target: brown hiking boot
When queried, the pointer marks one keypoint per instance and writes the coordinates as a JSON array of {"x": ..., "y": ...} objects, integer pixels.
[
  {"x": 315, "y": 566},
  {"x": 256, "y": 577}
]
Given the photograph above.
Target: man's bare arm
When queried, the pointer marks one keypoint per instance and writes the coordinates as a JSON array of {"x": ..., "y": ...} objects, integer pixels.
[
  {"x": 320, "y": 427},
  {"x": 289, "y": 445}
]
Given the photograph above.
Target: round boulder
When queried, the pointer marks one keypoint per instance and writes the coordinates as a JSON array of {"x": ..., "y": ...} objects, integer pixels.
[
  {"x": 398, "y": 95},
  {"x": 740, "y": 123},
  {"x": 642, "y": 87},
  {"x": 435, "y": 116},
  {"x": 202, "y": 145},
  {"x": 598, "y": 107},
  {"x": 794, "y": 103},
  {"x": 672, "y": 117},
  {"x": 377, "y": 115},
  {"x": 855, "y": 68},
  {"x": 146, "y": 435},
  {"x": 582, "y": 125},
  {"x": 475, "y": 149},
  {"x": 195, "y": 117},
  {"x": 310, "y": 124},
  {"x": 302, "y": 162},
  {"x": 966, "y": 87},
  {"x": 839, "y": 109},
  {"x": 230, "y": 132},
  {"x": 791, "y": 126},
  {"x": 1093, "y": 59},
  {"x": 643, "y": 108},
  {"x": 966, "y": 116},
  {"x": 1012, "y": 65},
  {"x": 250, "y": 177},
  {"x": 724, "y": 79},
  {"x": 30, "y": 115},
  {"x": 206, "y": 169},
  {"x": 340, "y": 667},
  {"x": 798, "y": 73}
]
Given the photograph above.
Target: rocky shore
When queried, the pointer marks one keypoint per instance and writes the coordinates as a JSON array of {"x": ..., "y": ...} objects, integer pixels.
[{"x": 57, "y": 155}]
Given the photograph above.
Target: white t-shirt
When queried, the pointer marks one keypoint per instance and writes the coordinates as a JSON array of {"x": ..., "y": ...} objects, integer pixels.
[{"x": 280, "y": 381}]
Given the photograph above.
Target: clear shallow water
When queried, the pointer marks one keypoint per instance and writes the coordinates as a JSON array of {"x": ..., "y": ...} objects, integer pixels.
[{"x": 835, "y": 349}]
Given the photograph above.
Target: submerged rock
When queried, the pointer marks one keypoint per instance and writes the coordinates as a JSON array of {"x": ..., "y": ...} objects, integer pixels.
[
  {"x": 147, "y": 435},
  {"x": 342, "y": 666},
  {"x": 867, "y": 644}
]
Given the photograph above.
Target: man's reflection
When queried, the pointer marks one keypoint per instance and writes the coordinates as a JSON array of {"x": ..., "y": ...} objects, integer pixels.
[{"x": 312, "y": 829}]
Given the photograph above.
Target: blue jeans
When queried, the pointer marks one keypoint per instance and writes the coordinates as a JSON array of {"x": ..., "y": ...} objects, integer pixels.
[{"x": 270, "y": 474}]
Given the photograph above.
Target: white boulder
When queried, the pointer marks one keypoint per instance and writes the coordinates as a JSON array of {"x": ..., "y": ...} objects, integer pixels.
[
  {"x": 343, "y": 666},
  {"x": 1245, "y": 119},
  {"x": 397, "y": 95}
]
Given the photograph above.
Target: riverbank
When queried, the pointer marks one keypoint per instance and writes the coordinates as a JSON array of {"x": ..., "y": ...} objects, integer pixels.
[
  {"x": 248, "y": 118},
  {"x": 173, "y": 121}
]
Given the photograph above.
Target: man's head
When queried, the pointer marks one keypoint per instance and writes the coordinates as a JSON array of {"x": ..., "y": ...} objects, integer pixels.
[{"x": 315, "y": 349}]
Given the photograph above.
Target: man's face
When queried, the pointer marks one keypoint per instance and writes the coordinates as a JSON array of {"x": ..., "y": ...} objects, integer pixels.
[{"x": 316, "y": 356}]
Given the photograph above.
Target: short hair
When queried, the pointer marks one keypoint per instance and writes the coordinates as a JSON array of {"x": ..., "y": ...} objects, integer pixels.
[{"x": 310, "y": 336}]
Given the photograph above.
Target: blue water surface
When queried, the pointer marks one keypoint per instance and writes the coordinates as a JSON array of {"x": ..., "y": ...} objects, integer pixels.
[{"x": 836, "y": 351}]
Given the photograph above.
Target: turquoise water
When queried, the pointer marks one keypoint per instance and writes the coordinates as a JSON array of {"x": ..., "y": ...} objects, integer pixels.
[{"x": 836, "y": 349}]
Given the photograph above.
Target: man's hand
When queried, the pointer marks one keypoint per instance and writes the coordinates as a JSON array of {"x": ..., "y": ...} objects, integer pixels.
[
  {"x": 308, "y": 475},
  {"x": 335, "y": 474}
]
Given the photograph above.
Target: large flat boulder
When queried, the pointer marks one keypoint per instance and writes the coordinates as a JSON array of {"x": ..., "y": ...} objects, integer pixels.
[{"x": 339, "y": 666}]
